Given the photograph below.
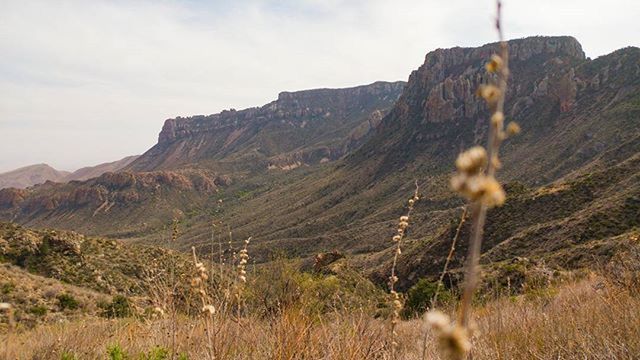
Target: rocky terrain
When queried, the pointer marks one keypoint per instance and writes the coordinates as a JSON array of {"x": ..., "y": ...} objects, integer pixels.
[{"x": 324, "y": 170}]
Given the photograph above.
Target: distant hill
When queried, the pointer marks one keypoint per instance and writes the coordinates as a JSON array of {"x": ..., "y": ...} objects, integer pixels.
[
  {"x": 90, "y": 172},
  {"x": 31, "y": 175}
]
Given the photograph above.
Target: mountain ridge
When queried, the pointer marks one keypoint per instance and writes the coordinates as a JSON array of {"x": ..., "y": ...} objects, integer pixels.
[{"x": 299, "y": 127}]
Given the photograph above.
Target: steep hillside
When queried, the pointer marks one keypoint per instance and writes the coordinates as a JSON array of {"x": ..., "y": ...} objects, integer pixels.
[
  {"x": 300, "y": 128},
  {"x": 561, "y": 100},
  {"x": 31, "y": 175}
]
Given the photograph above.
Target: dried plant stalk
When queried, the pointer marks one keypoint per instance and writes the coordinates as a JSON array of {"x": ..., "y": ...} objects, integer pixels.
[
  {"x": 475, "y": 179},
  {"x": 403, "y": 224},
  {"x": 449, "y": 257}
]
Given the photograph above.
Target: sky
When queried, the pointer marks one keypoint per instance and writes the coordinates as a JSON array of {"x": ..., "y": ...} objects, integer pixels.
[{"x": 89, "y": 81}]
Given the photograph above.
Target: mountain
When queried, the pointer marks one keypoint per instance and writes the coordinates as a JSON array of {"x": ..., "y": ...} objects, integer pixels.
[
  {"x": 90, "y": 172},
  {"x": 31, "y": 175},
  {"x": 294, "y": 176}
]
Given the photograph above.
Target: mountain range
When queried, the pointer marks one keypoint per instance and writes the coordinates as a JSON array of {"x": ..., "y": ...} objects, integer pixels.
[
  {"x": 27, "y": 176},
  {"x": 330, "y": 169}
]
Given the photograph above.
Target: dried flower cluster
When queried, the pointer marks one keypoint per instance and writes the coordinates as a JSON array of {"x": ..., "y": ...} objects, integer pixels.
[
  {"x": 242, "y": 262},
  {"x": 198, "y": 282},
  {"x": 473, "y": 183},
  {"x": 453, "y": 340}
]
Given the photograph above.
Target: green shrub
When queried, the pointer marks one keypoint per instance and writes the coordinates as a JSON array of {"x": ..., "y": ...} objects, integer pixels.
[
  {"x": 157, "y": 353},
  {"x": 8, "y": 287},
  {"x": 68, "y": 356},
  {"x": 67, "y": 301},
  {"x": 419, "y": 297},
  {"x": 115, "y": 352},
  {"x": 39, "y": 310},
  {"x": 118, "y": 307}
]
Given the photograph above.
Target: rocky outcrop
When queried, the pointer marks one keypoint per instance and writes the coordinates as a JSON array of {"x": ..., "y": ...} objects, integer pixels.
[
  {"x": 12, "y": 197},
  {"x": 439, "y": 112},
  {"x": 110, "y": 189},
  {"x": 444, "y": 88}
]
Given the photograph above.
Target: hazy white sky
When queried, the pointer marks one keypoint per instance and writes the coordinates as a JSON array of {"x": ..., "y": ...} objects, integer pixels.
[{"x": 89, "y": 81}]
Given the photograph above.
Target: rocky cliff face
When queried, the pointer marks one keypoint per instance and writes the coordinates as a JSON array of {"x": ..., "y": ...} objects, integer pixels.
[
  {"x": 553, "y": 90},
  {"x": 444, "y": 87},
  {"x": 300, "y": 127}
]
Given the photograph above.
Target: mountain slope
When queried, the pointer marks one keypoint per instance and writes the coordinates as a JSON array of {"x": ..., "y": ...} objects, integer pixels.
[{"x": 207, "y": 154}]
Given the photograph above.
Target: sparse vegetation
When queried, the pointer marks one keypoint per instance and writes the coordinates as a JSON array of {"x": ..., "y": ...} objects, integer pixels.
[
  {"x": 67, "y": 301},
  {"x": 119, "y": 307}
]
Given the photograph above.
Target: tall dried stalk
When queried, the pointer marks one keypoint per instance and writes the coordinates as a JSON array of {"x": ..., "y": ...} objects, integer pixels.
[
  {"x": 9, "y": 310},
  {"x": 208, "y": 309},
  {"x": 449, "y": 258},
  {"x": 440, "y": 283},
  {"x": 403, "y": 224},
  {"x": 173, "y": 287}
]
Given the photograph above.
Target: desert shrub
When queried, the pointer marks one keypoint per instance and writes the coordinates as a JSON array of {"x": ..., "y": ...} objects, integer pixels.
[
  {"x": 67, "y": 301},
  {"x": 157, "y": 353},
  {"x": 8, "y": 287},
  {"x": 39, "y": 310},
  {"x": 274, "y": 287},
  {"x": 119, "y": 307},
  {"x": 281, "y": 285},
  {"x": 68, "y": 356},
  {"x": 115, "y": 352},
  {"x": 420, "y": 295}
]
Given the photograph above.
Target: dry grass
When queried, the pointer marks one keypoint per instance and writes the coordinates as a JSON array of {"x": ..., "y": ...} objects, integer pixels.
[{"x": 591, "y": 319}]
